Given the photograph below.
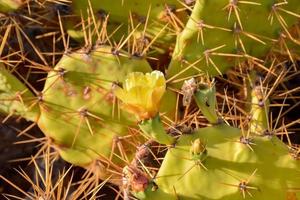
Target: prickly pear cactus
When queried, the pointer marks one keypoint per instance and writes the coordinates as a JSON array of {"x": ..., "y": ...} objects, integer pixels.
[
  {"x": 121, "y": 9},
  {"x": 78, "y": 110},
  {"x": 231, "y": 169},
  {"x": 151, "y": 19},
  {"x": 10, "y": 5},
  {"x": 16, "y": 98},
  {"x": 221, "y": 162},
  {"x": 101, "y": 106},
  {"x": 236, "y": 31}
]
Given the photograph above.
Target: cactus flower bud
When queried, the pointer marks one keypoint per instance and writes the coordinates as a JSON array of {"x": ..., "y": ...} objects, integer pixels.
[
  {"x": 198, "y": 147},
  {"x": 198, "y": 150}
]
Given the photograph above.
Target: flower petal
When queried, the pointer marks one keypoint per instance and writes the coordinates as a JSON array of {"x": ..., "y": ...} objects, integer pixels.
[{"x": 142, "y": 93}]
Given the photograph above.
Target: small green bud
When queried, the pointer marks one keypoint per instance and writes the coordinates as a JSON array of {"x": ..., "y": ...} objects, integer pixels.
[{"x": 198, "y": 150}]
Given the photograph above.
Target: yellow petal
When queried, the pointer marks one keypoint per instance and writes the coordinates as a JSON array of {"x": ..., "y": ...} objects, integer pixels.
[{"x": 142, "y": 93}]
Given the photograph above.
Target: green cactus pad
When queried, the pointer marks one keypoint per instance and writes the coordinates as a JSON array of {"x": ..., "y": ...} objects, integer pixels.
[
  {"x": 160, "y": 25},
  {"x": 77, "y": 110},
  {"x": 10, "y": 5},
  {"x": 266, "y": 167},
  {"x": 228, "y": 39},
  {"x": 15, "y": 97},
  {"x": 120, "y": 12}
]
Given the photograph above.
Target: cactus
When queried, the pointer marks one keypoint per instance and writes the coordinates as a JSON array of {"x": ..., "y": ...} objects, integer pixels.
[
  {"x": 77, "y": 101},
  {"x": 105, "y": 109},
  {"x": 77, "y": 109},
  {"x": 219, "y": 162},
  {"x": 236, "y": 31},
  {"x": 16, "y": 98},
  {"x": 121, "y": 9},
  {"x": 151, "y": 19},
  {"x": 10, "y": 5},
  {"x": 231, "y": 170}
]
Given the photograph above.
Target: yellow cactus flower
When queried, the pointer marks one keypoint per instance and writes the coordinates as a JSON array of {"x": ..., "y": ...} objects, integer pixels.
[{"x": 141, "y": 93}]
